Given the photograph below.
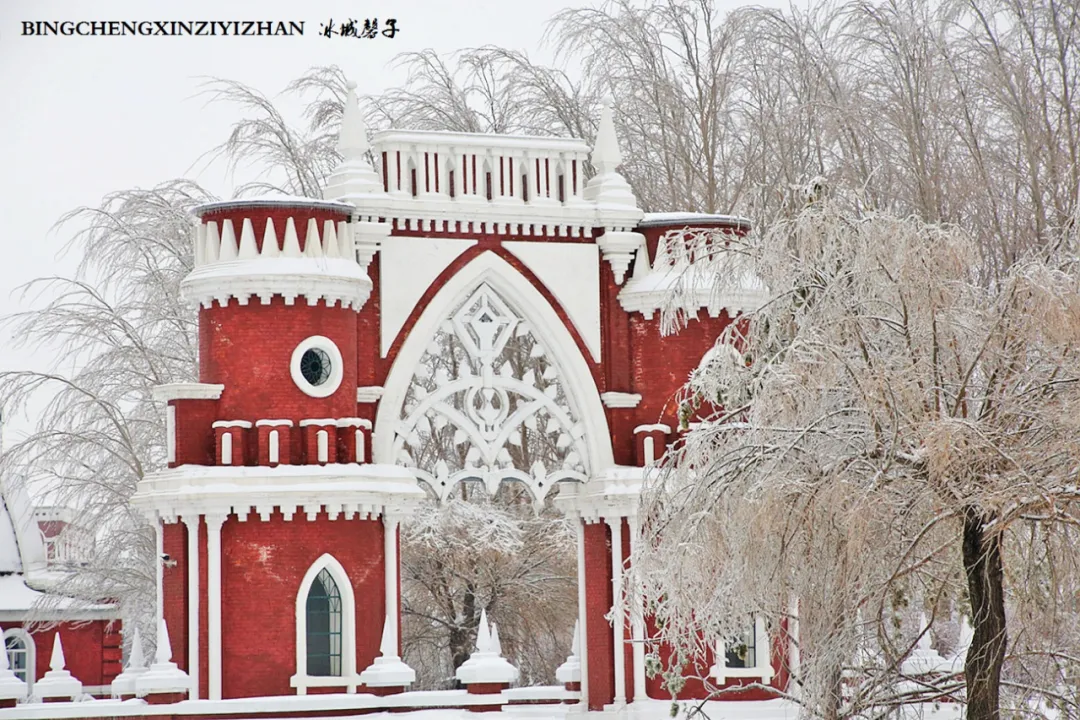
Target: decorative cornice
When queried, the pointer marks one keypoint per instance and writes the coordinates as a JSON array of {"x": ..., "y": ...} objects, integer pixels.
[
  {"x": 620, "y": 399},
  {"x": 658, "y": 427},
  {"x": 187, "y": 391},
  {"x": 368, "y": 490},
  {"x": 614, "y": 493},
  {"x": 317, "y": 422},
  {"x": 273, "y": 423},
  {"x": 246, "y": 425}
]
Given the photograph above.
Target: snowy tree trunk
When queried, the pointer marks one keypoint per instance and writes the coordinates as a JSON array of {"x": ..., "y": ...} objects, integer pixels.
[{"x": 985, "y": 578}]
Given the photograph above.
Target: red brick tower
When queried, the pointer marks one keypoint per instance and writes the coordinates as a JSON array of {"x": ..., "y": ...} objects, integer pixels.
[{"x": 278, "y": 536}]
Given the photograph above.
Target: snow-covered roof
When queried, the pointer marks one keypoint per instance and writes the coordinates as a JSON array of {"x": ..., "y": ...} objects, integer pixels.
[
  {"x": 21, "y": 546},
  {"x": 269, "y": 200},
  {"x": 691, "y": 218}
]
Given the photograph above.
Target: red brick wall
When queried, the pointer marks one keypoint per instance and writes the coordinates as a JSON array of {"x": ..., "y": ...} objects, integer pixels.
[
  {"x": 175, "y": 590},
  {"x": 263, "y": 565},
  {"x": 249, "y": 349},
  {"x": 194, "y": 436},
  {"x": 598, "y": 593}
]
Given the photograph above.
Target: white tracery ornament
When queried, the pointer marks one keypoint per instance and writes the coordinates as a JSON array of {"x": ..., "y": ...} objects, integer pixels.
[{"x": 486, "y": 404}]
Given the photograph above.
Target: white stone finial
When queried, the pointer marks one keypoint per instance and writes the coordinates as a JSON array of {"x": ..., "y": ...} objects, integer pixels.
[
  {"x": 330, "y": 242},
  {"x": 570, "y": 671},
  {"x": 352, "y": 137},
  {"x": 354, "y": 176},
  {"x": 486, "y": 664},
  {"x": 163, "y": 677},
  {"x": 58, "y": 682},
  {"x": 163, "y": 652},
  {"x": 388, "y": 670},
  {"x": 57, "y": 661},
  {"x": 615, "y": 201},
  {"x": 923, "y": 643},
  {"x": 137, "y": 660},
  {"x": 483, "y": 633},
  {"x": 606, "y": 155}
]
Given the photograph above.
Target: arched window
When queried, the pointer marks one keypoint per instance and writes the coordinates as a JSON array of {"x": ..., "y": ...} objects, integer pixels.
[
  {"x": 324, "y": 626},
  {"x": 20, "y": 652},
  {"x": 325, "y": 629}
]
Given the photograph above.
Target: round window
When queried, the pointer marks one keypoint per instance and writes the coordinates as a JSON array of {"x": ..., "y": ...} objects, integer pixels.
[{"x": 317, "y": 366}]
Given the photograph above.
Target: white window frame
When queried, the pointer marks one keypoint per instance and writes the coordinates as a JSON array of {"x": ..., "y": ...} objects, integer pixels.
[
  {"x": 337, "y": 367},
  {"x": 762, "y": 669},
  {"x": 31, "y": 653},
  {"x": 348, "y": 678}
]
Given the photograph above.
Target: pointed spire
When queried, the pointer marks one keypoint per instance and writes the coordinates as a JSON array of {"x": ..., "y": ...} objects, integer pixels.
[
  {"x": 136, "y": 661},
  {"x": 312, "y": 244},
  {"x": 575, "y": 644},
  {"x": 483, "y": 633},
  {"x": 330, "y": 241},
  {"x": 213, "y": 243},
  {"x": 607, "y": 188},
  {"x": 388, "y": 671},
  {"x": 496, "y": 646},
  {"x": 57, "y": 662},
  {"x": 352, "y": 137},
  {"x": 354, "y": 175},
  {"x": 291, "y": 247},
  {"x": 270, "y": 246},
  {"x": 606, "y": 155},
  {"x": 570, "y": 671},
  {"x": 228, "y": 242},
  {"x": 923, "y": 643},
  {"x": 248, "y": 249},
  {"x": 163, "y": 654}
]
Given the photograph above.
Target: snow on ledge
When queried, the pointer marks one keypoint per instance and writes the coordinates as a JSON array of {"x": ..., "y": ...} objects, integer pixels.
[
  {"x": 270, "y": 200},
  {"x": 690, "y": 219},
  {"x": 187, "y": 391}
]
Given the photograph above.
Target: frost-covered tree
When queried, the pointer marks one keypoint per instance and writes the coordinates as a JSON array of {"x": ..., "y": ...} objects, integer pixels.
[
  {"x": 117, "y": 329},
  {"x": 884, "y": 430}
]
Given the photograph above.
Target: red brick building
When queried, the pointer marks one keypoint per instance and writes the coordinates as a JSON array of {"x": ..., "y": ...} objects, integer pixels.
[
  {"x": 36, "y": 545},
  {"x": 440, "y": 319}
]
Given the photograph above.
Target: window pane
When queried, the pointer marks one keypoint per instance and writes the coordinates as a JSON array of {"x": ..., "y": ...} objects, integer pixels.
[
  {"x": 324, "y": 627},
  {"x": 17, "y": 656}
]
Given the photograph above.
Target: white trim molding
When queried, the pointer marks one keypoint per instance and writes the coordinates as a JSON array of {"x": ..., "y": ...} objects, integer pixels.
[
  {"x": 348, "y": 678},
  {"x": 243, "y": 424},
  {"x": 31, "y": 654},
  {"x": 762, "y": 669},
  {"x": 337, "y": 367},
  {"x": 620, "y": 399},
  {"x": 187, "y": 391}
]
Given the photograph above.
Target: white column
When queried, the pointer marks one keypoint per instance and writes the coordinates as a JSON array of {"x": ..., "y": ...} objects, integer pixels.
[
  {"x": 637, "y": 621},
  {"x": 390, "y": 560},
  {"x": 213, "y": 601},
  {"x": 795, "y": 654},
  {"x": 583, "y": 644},
  {"x": 192, "y": 524},
  {"x": 618, "y": 621},
  {"x": 394, "y": 155},
  {"x": 159, "y": 576}
]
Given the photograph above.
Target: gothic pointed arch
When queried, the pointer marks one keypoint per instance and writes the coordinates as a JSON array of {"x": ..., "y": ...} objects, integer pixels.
[
  {"x": 487, "y": 417},
  {"x": 325, "y": 627}
]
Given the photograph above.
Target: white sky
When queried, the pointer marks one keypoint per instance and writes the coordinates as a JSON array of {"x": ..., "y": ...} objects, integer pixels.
[{"x": 83, "y": 117}]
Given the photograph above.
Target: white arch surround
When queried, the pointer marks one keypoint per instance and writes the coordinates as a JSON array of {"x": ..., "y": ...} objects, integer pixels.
[
  {"x": 348, "y": 678},
  {"x": 31, "y": 653},
  {"x": 574, "y": 372}
]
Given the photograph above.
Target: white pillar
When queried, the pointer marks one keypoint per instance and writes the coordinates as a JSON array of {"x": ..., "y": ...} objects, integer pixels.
[
  {"x": 618, "y": 621},
  {"x": 159, "y": 576},
  {"x": 213, "y": 601},
  {"x": 390, "y": 560},
  {"x": 192, "y": 524},
  {"x": 795, "y": 655},
  {"x": 583, "y": 644},
  {"x": 637, "y": 621}
]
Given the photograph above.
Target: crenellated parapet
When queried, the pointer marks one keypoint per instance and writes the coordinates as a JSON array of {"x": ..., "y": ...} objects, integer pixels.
[{"x": 286, "y": 247}]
